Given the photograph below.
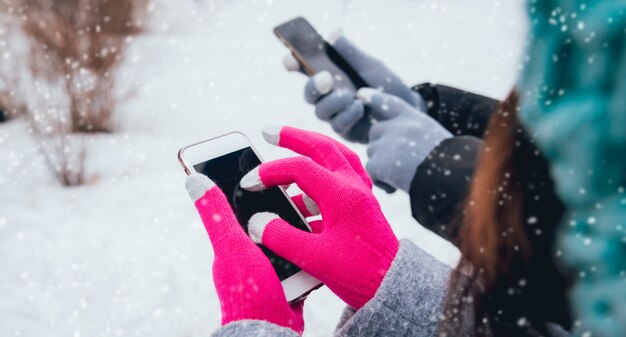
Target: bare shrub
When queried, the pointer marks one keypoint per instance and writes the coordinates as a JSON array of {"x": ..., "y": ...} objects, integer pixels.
[
  {"x": 74, "y": 51},
  {"x": 83, "y": 42},
  {"x": 64, "y": 152}
]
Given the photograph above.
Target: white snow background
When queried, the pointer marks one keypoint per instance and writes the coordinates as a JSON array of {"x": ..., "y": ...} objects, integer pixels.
[{"x": 127, "y": 255}]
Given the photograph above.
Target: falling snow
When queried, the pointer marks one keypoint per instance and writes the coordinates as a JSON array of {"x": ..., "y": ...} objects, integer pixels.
[{"x": 126, "y": 255}]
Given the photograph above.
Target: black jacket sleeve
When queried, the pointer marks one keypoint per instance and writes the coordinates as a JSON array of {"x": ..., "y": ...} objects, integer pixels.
[
  {"x": 441, "y": 182},
  {"x": 462, "y": 113}
]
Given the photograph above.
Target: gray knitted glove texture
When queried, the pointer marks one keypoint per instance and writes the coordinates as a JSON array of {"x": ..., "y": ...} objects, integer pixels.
[
  {"x": 339, "y": 106},
  {"x": 400, "y": 140}
]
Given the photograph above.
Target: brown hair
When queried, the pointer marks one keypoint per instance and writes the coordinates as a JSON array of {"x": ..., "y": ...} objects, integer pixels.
[{"x": 506, "y": 238}]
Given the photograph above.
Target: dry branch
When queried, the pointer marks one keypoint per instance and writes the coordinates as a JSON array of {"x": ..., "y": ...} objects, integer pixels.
[{"x": 64, "y": 82}]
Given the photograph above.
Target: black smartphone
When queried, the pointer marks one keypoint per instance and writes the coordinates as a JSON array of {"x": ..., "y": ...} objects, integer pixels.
[{"x": 315, "y": 54}]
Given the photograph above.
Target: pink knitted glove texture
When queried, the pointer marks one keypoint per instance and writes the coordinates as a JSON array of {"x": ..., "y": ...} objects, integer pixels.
[
  {"x": 246, "y": 283},
  {"x": 353, "y": 246}
]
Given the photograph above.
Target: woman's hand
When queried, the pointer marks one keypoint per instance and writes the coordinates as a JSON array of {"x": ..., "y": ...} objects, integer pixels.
[
  {"x": 401, "y": 140},
  {"x": 353, "y": 246},
  {"x": 340, "y": 107},
  {"x": 246, "y": 283}
]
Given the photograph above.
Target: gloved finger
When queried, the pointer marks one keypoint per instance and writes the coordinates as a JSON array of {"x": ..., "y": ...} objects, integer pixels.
[
  {"x": 327, "y": 153},
  {"x": 346, "y": 119},
  {"x": 354, "y": 161},
  {"x": 333, "y": 103},
  {"x": 306, "y": 205},
  {"x": 300, "y": 141},
  {"x": 313, "y": 179},
  {"x": 382, "y": 106},
  {"x": 215, "y": 211},
  {"x": 318, "y": 147},
  {"x": 293, "y": 244},
  {"x": 359, "y": 60},
  {"x": 291, "y": 64},
  {"x": 317, "y": 86}
]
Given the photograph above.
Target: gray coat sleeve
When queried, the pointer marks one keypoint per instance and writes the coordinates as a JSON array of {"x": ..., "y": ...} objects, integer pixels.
[
  {"x": 408, "y": 302},
  {"x": 254, "y": 328}
]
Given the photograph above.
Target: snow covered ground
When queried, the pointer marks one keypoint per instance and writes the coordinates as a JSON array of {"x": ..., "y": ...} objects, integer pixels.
[{"x": 127, "y": 255}]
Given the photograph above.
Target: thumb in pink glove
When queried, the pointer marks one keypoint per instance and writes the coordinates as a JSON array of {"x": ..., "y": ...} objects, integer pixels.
[
  {"x": 353, "y": 246},
  {"x": 246, "y": 283}
]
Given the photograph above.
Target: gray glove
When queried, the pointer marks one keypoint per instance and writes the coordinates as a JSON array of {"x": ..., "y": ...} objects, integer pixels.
[
  {"x": 400, "y": 141},
  {"x": 339, "y": 107}
]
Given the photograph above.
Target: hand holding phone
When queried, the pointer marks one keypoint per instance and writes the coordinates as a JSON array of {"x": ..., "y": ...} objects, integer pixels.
[
  {"x": 353, "y": 245},
  {"x": 246, "y": 284},
  {"x": 316, "y": 55},
  {"x": 225, "y": 160},
  {"x": 252, "y": 282},
  {"x": 334, "y": 100}
]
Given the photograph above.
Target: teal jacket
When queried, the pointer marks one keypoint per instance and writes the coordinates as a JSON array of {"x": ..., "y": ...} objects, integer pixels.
[{"x": 573, "y": 91}]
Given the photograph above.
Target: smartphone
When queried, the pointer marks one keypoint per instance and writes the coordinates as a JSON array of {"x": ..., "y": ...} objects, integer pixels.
[
  {"x": 225, "y": 160},
  {"x": 315, "y": 54}
]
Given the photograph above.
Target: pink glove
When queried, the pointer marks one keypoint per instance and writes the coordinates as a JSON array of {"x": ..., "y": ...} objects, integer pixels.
[
  {"x": 352, "y": 247},
  {"x": 246, "y": 283}
]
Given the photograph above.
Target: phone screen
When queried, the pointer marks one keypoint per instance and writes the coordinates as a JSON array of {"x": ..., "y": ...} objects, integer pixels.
[
  {"x": 226, "y": 171},
  {"x": 316, "y": 54}
]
